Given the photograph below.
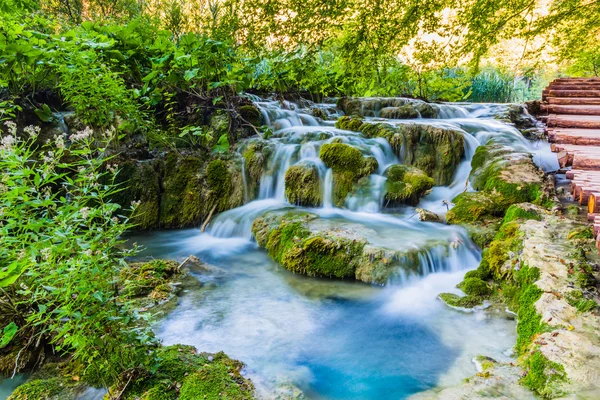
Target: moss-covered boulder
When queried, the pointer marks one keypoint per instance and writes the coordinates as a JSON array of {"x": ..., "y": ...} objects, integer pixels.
[
  {"x": 194, "y": 188},
  {"x": 387, "y": 107},
  {"x": 406, "y": 111},
  {"x": 183, "y": 373},
  {"x": 303, "y": 185},
  {"x": 434, "y": 150},
  {"x": 405, "y": 185},
  {"x": 305, "y": 244},
  {"x": 140, "y": 181},
  {"x": 256, "y": 154},
  {"x": 348, "y": 166},
  {"x": 504, "y": 178}
]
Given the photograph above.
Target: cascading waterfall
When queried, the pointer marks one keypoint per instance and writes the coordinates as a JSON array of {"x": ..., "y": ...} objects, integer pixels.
[{"x": 336, "y": 339}]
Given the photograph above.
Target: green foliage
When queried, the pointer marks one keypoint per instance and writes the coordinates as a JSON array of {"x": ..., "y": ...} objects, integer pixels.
[
  {"x": 474, "y": 287},
  {"x": 406, "y": 184},
  {"x": 60, "y": 252},
  {"x": 577, "y": 300}
]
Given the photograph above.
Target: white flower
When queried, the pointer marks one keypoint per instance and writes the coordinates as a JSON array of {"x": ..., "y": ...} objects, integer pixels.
[
  {"x": 49, "y": 159},
  {"x": 7, "y": 142},
  {"x": 32, "y": 131},
  {"x": 85, "y": 212},
  {"x": 81, "y": 135},
  {"x": 112, "y": 168},
  {"x": 12, "y": 127},
  {"x": 60, "y": 141},
  {"x": 136, "y": 203},
  {"x": 45, "y": 252},
  {"x": 115, "y": 220},
  {"x": 88, "y": 252}
]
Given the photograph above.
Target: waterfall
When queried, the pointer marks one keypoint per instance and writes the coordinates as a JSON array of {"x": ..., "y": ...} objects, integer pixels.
[{"x": 298, "y": 137}]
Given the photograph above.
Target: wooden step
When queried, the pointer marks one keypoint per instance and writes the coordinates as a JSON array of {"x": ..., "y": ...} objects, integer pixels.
[
  {"x": 582, "y": 137},
  {"x": 574, "y": 86},
  {"x": 573, "y": 93},
  {"x": 574, "y": 100},
  {"x": 573, "y": 121},
  {"x": 570, "y": 80},
  {"x": 572, "y": 109}
]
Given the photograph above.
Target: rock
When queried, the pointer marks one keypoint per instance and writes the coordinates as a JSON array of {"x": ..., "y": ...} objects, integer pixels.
[
  {"x": 256, "y": 154},
  {"x": 305, "y": 244},
  {"x": 504, "y": 177},
  {"x": 405, "y": 185},
  {"x": 427, "y": 216},
  {"x": 348, "y": 166},
  {"x": 518, "y": 115},
  {"x": 387, "y": 107},
  {"x": 407, "y": 111},
  {"x": 303, "y": 185},
  {"x": 436, "y": 151}
]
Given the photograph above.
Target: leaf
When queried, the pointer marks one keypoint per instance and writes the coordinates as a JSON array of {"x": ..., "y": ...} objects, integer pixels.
[
  {"x": 190, "y": 74},
  {"x": 8, "y": 334},
  {"x": 44, "y": 113},
  {"x": 222, "y": 145}
]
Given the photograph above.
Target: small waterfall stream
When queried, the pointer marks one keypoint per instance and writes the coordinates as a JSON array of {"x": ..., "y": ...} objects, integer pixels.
[{"x": 336, "y": 339}]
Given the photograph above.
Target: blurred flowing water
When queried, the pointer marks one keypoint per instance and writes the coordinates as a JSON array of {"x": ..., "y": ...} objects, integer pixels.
[{"x": 336, "y": 339}]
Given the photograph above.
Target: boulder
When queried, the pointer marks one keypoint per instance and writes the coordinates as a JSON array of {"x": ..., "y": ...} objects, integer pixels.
[
  {"x": 303, "y": 185},
  {"x": 405, "y": 185}
]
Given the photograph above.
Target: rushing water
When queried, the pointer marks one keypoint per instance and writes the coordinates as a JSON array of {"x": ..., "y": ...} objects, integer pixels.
[{"x": 335, "y": 339}]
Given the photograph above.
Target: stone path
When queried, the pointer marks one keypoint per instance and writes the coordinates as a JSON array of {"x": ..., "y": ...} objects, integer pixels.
[{"x": 573, "y": 126}]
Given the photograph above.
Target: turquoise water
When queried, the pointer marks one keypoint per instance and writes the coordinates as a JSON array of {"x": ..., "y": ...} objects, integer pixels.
[{"x": 332, "y": 339}]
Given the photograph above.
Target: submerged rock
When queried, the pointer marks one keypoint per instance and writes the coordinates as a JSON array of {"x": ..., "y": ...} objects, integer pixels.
[
  {"x": 305, "y": 244},
  {"x": 405, "y": 185},
  {"x": 303, "y": 185},
  {"x": 434, "y": 150}
]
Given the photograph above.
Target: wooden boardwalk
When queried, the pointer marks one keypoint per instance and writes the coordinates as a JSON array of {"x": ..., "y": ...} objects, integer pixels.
[{"x": 573, "y": 126}]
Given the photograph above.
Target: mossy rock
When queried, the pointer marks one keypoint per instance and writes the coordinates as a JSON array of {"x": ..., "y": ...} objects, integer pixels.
[
  {"x": 436, "y": 151},
  {"x": 214, "y": 381},
  {"x": 183, "y": 373},
  {"x": 522, "y": 211},
  {"x": 474, "y": 286},
  {"x": 405, "y": 185},
  {"x": 303, "y": 185},
  {"x": 454, "y": 300},
  {"x": 348, "y": 166},
  {"x": 544, "y": 376},
  {"x": 39, "y": 389},
  {"x": 474, "y": 206},
  {"x": 140, "y": 181},
  {"x": 407, "y": 111},
  {"x": 256, "y": 155}
]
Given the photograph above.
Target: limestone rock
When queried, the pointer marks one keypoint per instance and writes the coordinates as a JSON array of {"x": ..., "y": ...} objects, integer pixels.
[{"x": 303, "y": 185}]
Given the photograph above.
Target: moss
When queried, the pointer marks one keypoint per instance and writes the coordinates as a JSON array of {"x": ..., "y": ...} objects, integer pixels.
[
  {"x": 474, "y": 286},
  {"x": 544, "y": 376},
  {"x": 584, "y": 232},
  {"x": 293, "y": 246},
  {"x": 406, "y": 185},
  {"x": 486, "y": 363},
  {"x": 148, "y": 283},
  {"x": 521, "y": 211},
  {"x": 140, "y": 181},
  {"x": 348, "y": 166},
  {"x": 181, "y": 202},
  {"x": 473, "y": 206},
  {"x": 349, "y": 124},
  {"x": 217, "y": 177},
  {"x": 572, "y": 211},
  {"x": 482, "y": 272},
  {"x": 217, "y": 380},
  {"x": 503, "y": 248},
  {"x": 454, "y": 300},
  {"x": 38, "y": 389},
  {"x": 303, "y": 185},
  {"x": 436, "y": 151},
  {"x": 576, "y": 299},
  {"x": 482, "y": 233}
]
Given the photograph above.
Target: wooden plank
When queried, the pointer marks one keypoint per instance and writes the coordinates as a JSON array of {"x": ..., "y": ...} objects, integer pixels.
[
  {"x": 573, "y": 93},
  {"x": 574, "y": 100}
]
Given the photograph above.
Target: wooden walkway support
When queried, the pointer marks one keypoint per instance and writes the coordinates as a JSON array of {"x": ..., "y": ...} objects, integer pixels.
[{"x": 572, "y": 106}]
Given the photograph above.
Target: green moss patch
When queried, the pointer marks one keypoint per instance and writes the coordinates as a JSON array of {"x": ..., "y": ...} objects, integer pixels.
[
  {"x": 544, "y": 376},
  {"x": 406, "y": 185},
  {"x": 303, "y": 185}
]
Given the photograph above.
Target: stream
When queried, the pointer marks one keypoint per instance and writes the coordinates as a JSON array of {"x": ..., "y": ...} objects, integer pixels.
[{"x": 335, "y": 339}]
